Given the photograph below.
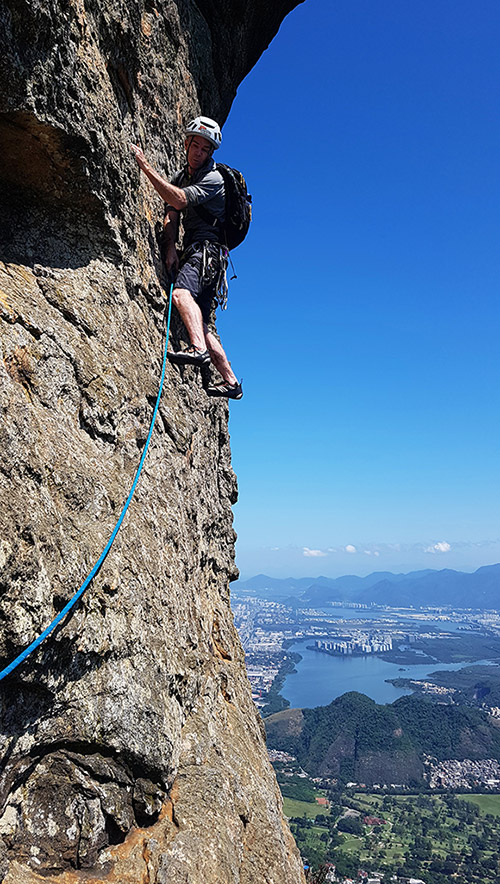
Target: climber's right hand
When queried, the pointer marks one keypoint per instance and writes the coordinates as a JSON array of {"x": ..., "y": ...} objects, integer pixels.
[
  {"x": 171, "y": 260},
  {"x": 139, "y": 155}
]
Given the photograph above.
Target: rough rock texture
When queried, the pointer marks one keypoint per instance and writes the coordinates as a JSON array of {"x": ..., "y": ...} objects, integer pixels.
[{"x": 130, "y": 747}]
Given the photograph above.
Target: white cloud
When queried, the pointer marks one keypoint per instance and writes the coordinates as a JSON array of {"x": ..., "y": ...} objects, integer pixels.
[
  {"x": 313, "y": 553},
  {"x": 350, "y": 548},
  {"x": 441, "y": 546}
]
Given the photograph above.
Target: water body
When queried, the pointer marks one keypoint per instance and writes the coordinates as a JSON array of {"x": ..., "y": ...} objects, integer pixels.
[
  {"x": 320, "y": 678},
  {"x": 402, "y": 619}
]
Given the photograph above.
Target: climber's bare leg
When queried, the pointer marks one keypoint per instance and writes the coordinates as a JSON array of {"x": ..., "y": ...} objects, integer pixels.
[
  {"x": 190, "y": 314},
  {"x": 218, "y": 357}
]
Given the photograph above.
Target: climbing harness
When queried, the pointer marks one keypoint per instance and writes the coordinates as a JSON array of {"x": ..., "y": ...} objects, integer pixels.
[
  {"x": 15, "y": 663},
  {"x": 214, "y": 270},
  {"x": 212, "y": 260}
]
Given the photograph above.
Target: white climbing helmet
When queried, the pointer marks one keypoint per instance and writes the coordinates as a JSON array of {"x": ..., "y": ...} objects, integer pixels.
[{"x": 206, "y": 128}]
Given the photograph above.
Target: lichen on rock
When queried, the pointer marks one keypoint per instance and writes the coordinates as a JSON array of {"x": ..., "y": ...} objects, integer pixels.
[{"x": 130, "y": 748}]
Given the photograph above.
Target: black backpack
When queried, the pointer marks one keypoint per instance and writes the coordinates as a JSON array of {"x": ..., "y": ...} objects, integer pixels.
[{"x": 238, "y": 211}]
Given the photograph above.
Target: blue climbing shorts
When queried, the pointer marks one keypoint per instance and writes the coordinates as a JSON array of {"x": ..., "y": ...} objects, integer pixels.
[{"x": 189, "y": 277}]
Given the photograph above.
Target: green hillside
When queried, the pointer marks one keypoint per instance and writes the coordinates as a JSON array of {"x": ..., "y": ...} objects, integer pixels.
[{"x": 356, "y": 739}]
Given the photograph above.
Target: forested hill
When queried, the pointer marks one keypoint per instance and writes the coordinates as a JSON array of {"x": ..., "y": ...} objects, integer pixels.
[{"x": 356, "y": 739}]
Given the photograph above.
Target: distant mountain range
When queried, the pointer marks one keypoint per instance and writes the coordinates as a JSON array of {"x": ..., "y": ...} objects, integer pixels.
[{"x": 418, "y": 588}]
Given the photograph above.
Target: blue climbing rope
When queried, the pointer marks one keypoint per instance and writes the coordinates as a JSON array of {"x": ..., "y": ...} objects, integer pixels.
[{"x": 15, "y": 663}]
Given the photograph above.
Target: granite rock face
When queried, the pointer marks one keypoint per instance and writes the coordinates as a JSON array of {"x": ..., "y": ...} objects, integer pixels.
[{"x": 130, "y": 747}]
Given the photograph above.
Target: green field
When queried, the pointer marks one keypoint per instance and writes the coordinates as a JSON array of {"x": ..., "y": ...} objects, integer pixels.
[
  {"x": 486, "y": 803},
  {"x": 291, "y": 808},
  {"x": 440, "y": 838}
]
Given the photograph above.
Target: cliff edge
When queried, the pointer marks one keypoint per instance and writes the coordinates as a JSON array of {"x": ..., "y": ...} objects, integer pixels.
[{"x": 130, "y": 748}]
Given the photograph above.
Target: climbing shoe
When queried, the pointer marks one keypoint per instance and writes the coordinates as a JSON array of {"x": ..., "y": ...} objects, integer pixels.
[
  {"x": 191, "y": 356},
  {"x": 230, "y": 391}
]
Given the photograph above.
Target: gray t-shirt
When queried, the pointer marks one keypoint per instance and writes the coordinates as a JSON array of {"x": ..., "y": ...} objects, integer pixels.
[{"x": 206, "y": 188}]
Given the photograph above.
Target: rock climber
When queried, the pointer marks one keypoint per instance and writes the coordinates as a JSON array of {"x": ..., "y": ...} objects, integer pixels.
[{"x": 200, "y": 270}]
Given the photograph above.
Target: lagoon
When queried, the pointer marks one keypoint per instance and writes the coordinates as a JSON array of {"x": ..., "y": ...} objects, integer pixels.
[
  {"x": 320, "y": 678},
  {"x": 404, "y": 618}
]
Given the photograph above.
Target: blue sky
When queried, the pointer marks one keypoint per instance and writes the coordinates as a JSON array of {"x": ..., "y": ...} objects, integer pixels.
[{"x": 364, "y": 320}]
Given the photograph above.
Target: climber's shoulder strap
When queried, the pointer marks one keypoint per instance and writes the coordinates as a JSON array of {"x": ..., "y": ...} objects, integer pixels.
[{"x": 238, "y": 208}]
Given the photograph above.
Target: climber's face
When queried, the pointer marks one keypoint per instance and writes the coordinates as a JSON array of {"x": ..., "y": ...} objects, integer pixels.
[{"x": 198, "y": 151}]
